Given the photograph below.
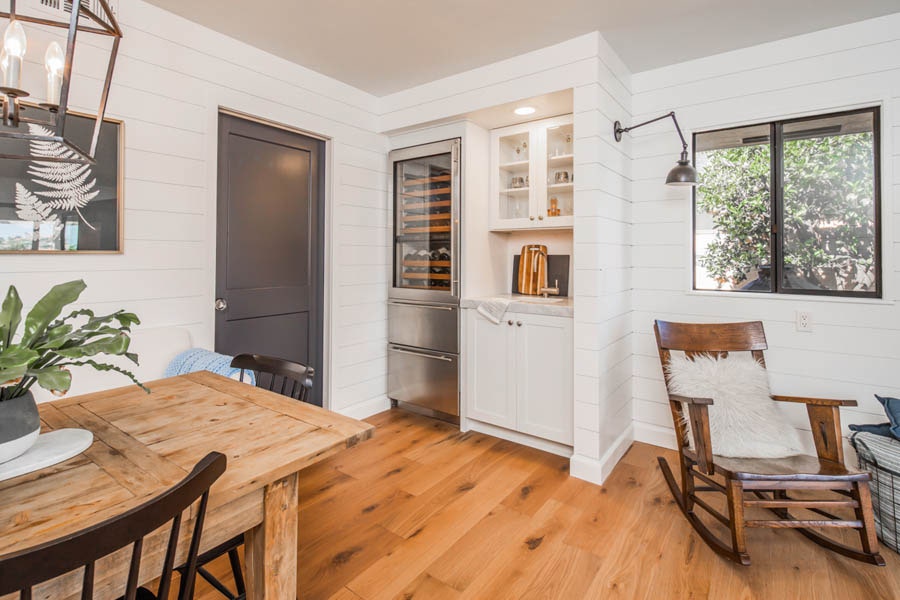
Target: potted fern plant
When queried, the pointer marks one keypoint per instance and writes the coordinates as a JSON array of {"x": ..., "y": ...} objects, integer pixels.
[{"x": 42, "y": 354}]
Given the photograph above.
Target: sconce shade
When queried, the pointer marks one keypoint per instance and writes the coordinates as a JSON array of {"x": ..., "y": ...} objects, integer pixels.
[{"x": 682, "y": 174}]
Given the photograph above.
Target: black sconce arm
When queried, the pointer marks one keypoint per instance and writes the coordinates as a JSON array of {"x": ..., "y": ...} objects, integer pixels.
[{"x": 620, "y": 130}]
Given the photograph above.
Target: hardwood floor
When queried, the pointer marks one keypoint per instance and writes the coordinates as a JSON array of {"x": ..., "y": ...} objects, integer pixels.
[{"x": 423, "y": 511}]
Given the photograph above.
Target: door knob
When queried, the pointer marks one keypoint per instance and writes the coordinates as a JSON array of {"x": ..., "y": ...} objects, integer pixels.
[
  {"x": 221, "y": 304},
  {"x": 509, "y": 323},
  {"x": 518, "y": 323}
]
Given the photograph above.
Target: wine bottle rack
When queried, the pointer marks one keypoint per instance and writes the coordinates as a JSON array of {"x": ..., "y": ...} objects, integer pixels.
[{"x": 424, "y": 208}]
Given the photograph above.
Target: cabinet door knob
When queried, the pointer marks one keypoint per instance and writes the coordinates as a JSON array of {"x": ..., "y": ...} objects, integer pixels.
[
  {"x": 509, "y": 323},
  {"x": 532, "y": 218},
  {"x": 518, "y": 323},
  {"x": 540, "y": 217}
]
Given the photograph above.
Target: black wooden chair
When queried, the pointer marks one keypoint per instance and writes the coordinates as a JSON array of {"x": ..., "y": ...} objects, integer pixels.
[
  {"x": 21, "y": 571},
  {"x": 275, "y": 375}
]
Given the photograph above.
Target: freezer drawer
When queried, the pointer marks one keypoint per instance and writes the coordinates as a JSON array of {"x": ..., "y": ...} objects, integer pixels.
[
  {"x": 421, "y": 325},
  {"x": 424, "y": 379}
]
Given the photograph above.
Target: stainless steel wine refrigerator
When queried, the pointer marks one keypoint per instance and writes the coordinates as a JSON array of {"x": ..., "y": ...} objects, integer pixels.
[{"x": 423, "y": 305}]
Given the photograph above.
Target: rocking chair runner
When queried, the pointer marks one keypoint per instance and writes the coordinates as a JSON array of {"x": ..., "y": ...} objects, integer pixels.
[{"x": 769, "y": 480}]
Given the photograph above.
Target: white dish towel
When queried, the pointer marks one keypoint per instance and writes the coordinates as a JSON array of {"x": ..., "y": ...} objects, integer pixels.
[{"x": 493, "y": 309}]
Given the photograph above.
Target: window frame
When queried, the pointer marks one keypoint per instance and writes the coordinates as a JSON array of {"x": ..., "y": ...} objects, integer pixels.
[{"x": 776, "y": 239}]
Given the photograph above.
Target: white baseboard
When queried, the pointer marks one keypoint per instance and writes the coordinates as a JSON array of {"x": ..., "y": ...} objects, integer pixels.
[
  {"x": 655, "y": 435},
  {"x": 517, "y": 437},
  {"x": 366, "y": 409},
  {"x": 596, "y": 471}
]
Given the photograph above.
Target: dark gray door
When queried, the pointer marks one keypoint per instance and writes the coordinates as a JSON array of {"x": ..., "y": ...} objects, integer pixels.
[{"x": 269, "y": 252}]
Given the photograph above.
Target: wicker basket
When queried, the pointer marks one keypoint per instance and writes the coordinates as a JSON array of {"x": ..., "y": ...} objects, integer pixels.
[{"x": 880, "y": 456}]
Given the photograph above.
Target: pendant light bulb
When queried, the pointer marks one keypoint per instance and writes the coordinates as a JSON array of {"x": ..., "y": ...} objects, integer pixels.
[
  {"x": 14, "y": 45},
  {"x": 14, "y": 41},
  {"x": 54, "y": 62},
  {"x": 54, "y": 59}
]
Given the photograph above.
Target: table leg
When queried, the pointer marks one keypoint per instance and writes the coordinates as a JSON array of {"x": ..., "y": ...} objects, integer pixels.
[{"x": 271, "y": 546}]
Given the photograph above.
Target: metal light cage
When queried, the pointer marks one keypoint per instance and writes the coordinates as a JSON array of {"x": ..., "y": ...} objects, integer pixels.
[{"x": 83, "y": 19}]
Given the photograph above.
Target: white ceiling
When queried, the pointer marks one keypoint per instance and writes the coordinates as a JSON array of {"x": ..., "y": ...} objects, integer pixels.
[{"x": 389, "y": 45}]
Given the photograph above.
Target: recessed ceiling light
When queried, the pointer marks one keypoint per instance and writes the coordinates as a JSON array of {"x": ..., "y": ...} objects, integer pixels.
[{"x": 525, "y": 110}]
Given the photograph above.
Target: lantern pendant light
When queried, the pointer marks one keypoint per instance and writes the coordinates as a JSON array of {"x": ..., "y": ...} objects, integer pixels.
[{"x": 87, "y": 17}]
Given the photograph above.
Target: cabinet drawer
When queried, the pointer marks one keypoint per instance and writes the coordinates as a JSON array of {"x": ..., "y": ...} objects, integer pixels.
[
  {"x": 419, "y": 325},
  {"x": 423, "y": 378}
]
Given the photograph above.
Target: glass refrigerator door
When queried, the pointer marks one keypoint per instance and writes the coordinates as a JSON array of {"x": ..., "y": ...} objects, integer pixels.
[{"x": 424, "y": 228}]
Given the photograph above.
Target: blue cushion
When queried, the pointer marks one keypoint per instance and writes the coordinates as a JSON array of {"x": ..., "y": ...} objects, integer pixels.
[
  {"x": 892, "y": 409},
  {"x": 883, "y": 429}
]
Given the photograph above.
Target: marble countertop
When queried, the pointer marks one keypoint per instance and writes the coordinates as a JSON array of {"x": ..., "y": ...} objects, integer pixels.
[{"x": 534, "y": 305}]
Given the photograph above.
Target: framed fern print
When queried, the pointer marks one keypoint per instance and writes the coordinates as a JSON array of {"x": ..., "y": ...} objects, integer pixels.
[{"x": 57, "y": 207}]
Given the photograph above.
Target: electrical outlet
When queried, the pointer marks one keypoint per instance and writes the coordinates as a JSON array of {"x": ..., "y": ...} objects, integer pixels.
[{"x": 804, "y": 321}]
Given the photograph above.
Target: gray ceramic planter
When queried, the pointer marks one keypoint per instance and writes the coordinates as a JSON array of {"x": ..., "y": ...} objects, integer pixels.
[{"x": 20, "y": 425}]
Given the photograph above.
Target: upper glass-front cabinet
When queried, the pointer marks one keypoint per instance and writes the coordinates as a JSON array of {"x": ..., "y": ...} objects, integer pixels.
[
  {"x": 560, "y": 173},
  {"x": 532, "y": 180}
]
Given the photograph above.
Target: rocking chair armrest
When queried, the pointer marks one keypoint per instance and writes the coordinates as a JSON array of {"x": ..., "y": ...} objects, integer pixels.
[
  {"x": 825, "y": 424},
  {"x": 688, "y": 400},
  {"x": 814, "y": 401}
]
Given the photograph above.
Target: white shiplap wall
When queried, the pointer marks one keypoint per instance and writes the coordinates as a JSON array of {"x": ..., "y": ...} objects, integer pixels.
[
  {"x": 602, "y": 237},
  {"x": 854, "y": 350},
  {"x": 171, "y": 78},
  {"x": 602, "y": 258}
]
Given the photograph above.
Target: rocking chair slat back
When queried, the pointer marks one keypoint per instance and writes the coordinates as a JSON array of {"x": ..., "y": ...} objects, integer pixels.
[{"x": 709, "y": 338}]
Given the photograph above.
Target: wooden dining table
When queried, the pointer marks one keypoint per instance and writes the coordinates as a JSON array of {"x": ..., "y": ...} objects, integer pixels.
[{"x": 145, "y": 443}]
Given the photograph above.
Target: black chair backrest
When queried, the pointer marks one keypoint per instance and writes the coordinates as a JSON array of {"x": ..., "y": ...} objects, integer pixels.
[
  {"x": 277, "y": 375},
  {"x": 21, "y": 571}
]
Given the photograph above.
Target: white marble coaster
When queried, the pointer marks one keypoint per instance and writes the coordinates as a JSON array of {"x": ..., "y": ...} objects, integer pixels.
[{"x": 51, "y": 448}]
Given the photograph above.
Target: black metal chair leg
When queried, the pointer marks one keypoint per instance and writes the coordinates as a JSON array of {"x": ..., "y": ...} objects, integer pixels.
[
  {"x": 211, "y": 580},
  {"x": 237, "y": 572}
]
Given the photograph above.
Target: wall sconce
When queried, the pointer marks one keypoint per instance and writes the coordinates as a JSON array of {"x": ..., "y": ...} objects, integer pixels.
[{"x": 681, "y": 174}]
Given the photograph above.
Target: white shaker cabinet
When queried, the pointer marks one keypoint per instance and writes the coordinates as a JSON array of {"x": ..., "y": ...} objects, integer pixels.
[
  {"x": 519, "y": 374},
  {"x": 490, "y": 356}
]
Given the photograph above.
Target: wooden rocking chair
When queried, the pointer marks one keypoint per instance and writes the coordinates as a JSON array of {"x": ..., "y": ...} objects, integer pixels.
[{"x": 768, "y": 481}]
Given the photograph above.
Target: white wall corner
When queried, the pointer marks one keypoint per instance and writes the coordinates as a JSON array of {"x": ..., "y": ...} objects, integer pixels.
[
  {"x": 654, "y": 435},
  {"x": 364, "y": 410},
  {"x": 597, "y": 470}
]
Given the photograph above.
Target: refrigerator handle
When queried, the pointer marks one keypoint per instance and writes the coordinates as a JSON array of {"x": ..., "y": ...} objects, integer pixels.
[
  {"x": 454, "y": 219},
  {"x": 417, "y": 305},
  {"x": 421, "y": 354}
]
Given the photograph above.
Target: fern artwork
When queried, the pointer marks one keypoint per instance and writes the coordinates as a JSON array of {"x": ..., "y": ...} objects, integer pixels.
[{"x": 53, "y": 206}]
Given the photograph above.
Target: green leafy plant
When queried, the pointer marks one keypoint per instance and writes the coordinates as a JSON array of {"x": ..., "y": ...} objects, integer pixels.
[
  {"x": 50, "y": 344},
  {"x": 829, "y": 211}
]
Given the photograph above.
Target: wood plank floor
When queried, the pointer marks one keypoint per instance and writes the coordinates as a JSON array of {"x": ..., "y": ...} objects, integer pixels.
[{"x": 423, "y": 511}]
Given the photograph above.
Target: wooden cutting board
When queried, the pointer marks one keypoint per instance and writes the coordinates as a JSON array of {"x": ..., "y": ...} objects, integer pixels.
[{"x": 532, "y": 269}]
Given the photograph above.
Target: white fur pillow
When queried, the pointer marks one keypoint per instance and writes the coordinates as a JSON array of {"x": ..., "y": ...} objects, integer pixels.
[{"x": 743, "y": 420}]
